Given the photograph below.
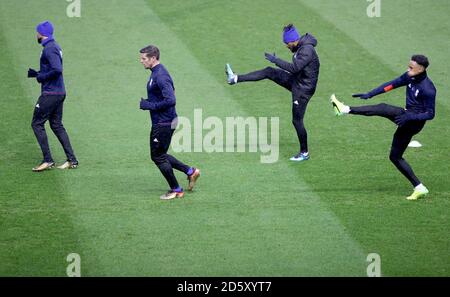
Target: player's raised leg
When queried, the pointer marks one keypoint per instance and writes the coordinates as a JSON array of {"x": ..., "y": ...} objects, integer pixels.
[
  {"x": 383, "y": 110},
  {"x": 279, "y": 76}
]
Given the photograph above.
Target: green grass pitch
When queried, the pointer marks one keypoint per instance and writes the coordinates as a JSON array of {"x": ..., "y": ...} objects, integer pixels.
[{"x": 320, "y": 218}]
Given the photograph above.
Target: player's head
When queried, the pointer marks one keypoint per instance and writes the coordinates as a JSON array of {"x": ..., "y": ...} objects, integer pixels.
[
  {"x": 417, "y": 65},
  {"x": 44, "y": 30},
  {"x": 291, "y": 37},
  {"x": 149, "y": 56}
]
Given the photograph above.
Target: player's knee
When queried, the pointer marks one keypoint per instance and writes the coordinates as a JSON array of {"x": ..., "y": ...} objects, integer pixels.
[
  {"x": 154, "y": 158},
  {"x": 298, "y": 123},
  {"x": 36, "y": 125},
  {"x": 56, "y": 126},
  {"x": 394, "y": 157},
  {"x": 269, "y": 71},
  {"x": 157, "y": 159}
]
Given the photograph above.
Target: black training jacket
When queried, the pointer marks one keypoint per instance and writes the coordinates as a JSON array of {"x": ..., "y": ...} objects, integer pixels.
[{"x": 305, "y": 66}]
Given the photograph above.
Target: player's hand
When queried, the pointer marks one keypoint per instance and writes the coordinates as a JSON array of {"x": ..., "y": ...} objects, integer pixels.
[
  {"x": 32, "y": 72},
  {"x": 39, "y": 78},
  {"x": 270, "y": 57},
  {"x": 362, "y": 96},
  {"x": 145, "y": 104},
  {"x": 402, "y": 119}
]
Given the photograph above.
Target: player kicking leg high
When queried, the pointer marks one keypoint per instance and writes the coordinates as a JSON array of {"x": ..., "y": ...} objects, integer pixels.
[
  {"x": 299, "y": 77},
  {"x": 420, "y": 107}
]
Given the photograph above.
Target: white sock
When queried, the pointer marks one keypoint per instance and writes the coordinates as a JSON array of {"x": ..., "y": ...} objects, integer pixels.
[
  {"x": 235, "y": 78},
  {"x": 346, "y": 109},
  {"x": 420, "y": 187}
]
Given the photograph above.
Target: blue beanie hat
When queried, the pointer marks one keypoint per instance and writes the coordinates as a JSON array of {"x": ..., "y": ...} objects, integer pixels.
[
  {"x": 290, "y": 34},
  {"x": 45, "y": 28}
]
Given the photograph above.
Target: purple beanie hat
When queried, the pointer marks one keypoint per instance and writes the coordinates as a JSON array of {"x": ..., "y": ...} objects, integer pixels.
[
  {"x": 290, "y": 34},
  {"x": 45, "y": 28}
]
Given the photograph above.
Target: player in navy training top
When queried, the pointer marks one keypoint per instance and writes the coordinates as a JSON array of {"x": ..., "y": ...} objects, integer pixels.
[
  {"x": 49, "y": 106},
  {"x": 420, "y": 107},
  {"x": 161, "y": 104}
]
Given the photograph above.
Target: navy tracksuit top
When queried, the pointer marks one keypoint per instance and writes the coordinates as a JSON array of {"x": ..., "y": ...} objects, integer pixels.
[
  {"x": 420, "y": 94},
  {"x": 51, "y": 69},
  {"x": 161, "y": 94}
]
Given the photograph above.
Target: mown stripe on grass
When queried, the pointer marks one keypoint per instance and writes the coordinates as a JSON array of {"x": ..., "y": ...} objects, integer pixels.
[{"x": 36, "y": 233}]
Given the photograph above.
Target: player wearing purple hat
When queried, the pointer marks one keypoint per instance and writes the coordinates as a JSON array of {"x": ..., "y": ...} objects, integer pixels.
[
  {"x": 299, "y": 77},
  {"x": 49, "y": 106}
]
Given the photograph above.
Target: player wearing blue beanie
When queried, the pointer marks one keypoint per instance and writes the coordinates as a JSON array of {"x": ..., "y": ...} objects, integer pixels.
[
  {"x": 49, "y": 106},
  {"x": 299, "y": 77}
]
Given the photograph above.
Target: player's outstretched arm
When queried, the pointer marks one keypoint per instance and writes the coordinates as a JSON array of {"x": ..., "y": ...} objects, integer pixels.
[{"x": 400, "y": 81}]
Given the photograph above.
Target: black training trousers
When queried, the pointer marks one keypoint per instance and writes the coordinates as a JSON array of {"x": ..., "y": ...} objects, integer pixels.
[
  {"x": 402, "y": 135},
  {"x": 160, "y": 138},
  {"x": 50, "y": 108},
  {"x": 299, "y": 99}
]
